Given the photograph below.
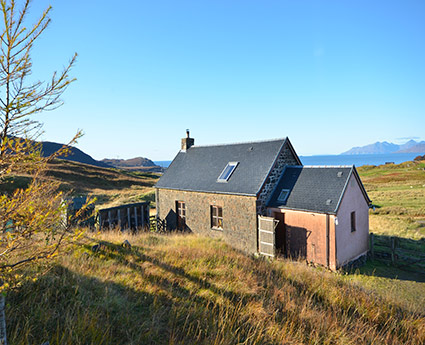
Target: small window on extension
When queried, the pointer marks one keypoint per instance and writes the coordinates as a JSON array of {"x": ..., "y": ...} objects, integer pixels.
[
  {"x": 227, "y": 172},
  {"x": 284, "y": 193},
  {"x": 353, "y": 221}
]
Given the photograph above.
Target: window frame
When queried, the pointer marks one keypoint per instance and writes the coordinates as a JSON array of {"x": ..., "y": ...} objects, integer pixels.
[
  {"x": 286, "y": 196},
  {"x": 353, "y": 221},
  {"x": 230, "y": 164},
  {"x": 216, "y": 219},
  {"x": 181, "y": 214}
]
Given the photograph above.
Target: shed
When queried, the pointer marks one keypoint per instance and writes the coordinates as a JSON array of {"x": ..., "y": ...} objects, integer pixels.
[{"x": 129, "y": 216}]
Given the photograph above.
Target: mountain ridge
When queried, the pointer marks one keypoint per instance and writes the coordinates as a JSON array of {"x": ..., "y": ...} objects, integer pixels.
[{"x": 385, "y": 147}]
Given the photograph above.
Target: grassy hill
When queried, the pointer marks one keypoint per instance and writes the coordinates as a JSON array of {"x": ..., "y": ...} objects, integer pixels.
[
  {"x": 190, "y": 290},
  {"x": 178, "y": 289},
  {"x": 110, "y": 186},
  {"x": 398, "y": 191}
]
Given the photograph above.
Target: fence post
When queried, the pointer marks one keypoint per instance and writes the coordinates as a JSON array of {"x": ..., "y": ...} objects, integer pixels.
[
  {"x": 371, "y": 245},
  {"x": 393, "y": 256}
]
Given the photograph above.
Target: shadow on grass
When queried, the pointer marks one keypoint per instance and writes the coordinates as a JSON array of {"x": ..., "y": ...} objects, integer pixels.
[
  {"x": 409, "y": 259},
  {"x": 384, "y": 269},
  {"x": 66, "y": 307}
]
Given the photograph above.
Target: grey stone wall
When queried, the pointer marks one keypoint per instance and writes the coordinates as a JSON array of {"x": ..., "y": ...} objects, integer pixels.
[
  {"x": 285, "y": 157},
  {"x": 239, "y": 215}
]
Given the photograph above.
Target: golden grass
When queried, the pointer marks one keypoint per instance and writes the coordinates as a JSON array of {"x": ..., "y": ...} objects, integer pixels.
[
  {"x": 179, "y": 289},
  {"x": 111, "y": 187}
]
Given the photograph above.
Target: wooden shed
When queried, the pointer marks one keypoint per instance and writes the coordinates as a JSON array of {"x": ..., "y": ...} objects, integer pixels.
[{"x": 126, "y": 217}]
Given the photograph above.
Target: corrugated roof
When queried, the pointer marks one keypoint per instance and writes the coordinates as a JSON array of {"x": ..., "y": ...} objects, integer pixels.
[
  {"x": 199, "y": 167},
  {"x": 317, "y": 189}
]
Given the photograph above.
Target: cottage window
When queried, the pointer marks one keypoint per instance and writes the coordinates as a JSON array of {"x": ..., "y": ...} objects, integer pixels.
[
  {"x": 216, "y": 217},
  {"x": 181, "y": 215},
  {"x": 353, "y": 221},
  {"x": 227, "y": 172}
]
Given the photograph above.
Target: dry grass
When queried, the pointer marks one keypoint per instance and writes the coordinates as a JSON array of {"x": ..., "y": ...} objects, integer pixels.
[
  {"x": 188, "y": 289},
  {"x": 110, "y": 186}
]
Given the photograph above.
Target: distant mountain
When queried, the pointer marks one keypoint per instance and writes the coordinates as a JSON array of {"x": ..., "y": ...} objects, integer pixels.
[
  {"x": 129, "y": 163},
  {"x": 418, "y": 148},
  {"x": 386, "y": 147},
  {"x": 376, "y": 148},
  {"x": 75, "y": 155},
  {"x": 409, "y": 144}
]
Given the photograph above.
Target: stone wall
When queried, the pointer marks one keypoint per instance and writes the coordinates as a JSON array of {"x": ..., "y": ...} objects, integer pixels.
[
  {"x": 285, "y": 157},
  {"x": 239, "y": 215}
]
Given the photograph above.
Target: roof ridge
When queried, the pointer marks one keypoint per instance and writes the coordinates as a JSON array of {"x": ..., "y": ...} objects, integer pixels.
[
  {"x": 242, "y": 142},
  {"x": 328, "y": 166}
]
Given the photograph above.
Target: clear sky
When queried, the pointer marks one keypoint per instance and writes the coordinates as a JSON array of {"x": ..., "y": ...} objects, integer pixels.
[{"x": 328, "y": 74}]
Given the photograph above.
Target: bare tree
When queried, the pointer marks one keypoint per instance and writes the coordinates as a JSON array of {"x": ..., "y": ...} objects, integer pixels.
[{"x": 32, "y": 225}]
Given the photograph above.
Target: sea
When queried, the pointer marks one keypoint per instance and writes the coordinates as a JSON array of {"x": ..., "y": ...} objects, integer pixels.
[{"x": 357, "y": 160}]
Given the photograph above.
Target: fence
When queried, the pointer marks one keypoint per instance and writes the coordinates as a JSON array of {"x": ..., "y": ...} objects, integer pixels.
[
  {"x": 404, "y": 253},
  {"x": 157, "y": 224}
]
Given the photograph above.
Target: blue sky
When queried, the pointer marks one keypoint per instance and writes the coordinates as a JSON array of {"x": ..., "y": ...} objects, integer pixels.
[{"x": 328, "y": 74}]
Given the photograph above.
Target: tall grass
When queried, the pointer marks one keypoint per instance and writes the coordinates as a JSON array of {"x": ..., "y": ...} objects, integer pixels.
[{"x": 188, "y": 289}]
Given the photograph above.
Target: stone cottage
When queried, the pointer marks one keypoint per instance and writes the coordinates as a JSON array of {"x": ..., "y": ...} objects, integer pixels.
[{"x": 259, "y": 198}]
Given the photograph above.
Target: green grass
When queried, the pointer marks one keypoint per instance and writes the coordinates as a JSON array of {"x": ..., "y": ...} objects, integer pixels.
[
  {"x": 194, "y": 290},
  {"x": 398, "y": 191}
]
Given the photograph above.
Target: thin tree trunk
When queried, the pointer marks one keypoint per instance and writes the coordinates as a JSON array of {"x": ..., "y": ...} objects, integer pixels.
[{"x": 3, "y": 340}]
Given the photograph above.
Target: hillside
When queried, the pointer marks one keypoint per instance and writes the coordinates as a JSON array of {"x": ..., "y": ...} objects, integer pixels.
[
  {"x": 110, "y": 186},
  {"x": 191, "y": 290},
  {"x": 398, "y": 193},
  {"x": 185, "y": 289},
  {"x": 75, "y": 155}
]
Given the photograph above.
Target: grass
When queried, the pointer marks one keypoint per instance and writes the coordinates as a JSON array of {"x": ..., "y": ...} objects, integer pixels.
[
  {"x": 110, "y": 186},
  {"x": 398, "y": 191},
  {"x": 188, "y": 289},
  {"x": 180, "y": 290}
]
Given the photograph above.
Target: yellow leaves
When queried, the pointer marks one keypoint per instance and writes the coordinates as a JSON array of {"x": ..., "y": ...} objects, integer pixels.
[{"x": 52, "y": 255}]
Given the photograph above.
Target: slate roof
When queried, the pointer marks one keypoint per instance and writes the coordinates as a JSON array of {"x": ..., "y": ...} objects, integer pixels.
[
  {"x": 317, "y": 189},
  {"x": 199, "y": 167}
]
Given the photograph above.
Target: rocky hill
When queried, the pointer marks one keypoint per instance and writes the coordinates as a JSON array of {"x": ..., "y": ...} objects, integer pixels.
[
  {"x": 129, "y": 163},
  {"x": 75, "y": 155},
  {"x": 134, "y": 164}
]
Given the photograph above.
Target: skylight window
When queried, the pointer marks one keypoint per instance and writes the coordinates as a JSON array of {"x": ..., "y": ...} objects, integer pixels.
[
  {"x": 227, "y": 172},
  {"x": 284, "y": 193}
]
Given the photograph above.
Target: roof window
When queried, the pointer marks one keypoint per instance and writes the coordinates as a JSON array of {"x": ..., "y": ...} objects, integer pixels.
[
  {"x": 227, "y": 172},
  {"x": 284, "y": 193}
]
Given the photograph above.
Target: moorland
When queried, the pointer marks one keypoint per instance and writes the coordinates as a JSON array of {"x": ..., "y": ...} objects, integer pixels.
[{"x": 185, "y": 289}]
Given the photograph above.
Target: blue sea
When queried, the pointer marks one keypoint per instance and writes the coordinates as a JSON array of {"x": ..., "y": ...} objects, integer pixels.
[{"x": 357, "y": 160}]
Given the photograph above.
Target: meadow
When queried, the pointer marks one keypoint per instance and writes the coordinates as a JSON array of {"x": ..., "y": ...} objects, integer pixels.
[{"x": 185, "y": 289}]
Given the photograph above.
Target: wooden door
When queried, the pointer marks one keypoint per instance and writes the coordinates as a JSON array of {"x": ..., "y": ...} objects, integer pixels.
[{"x": 266, "y": 236}]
